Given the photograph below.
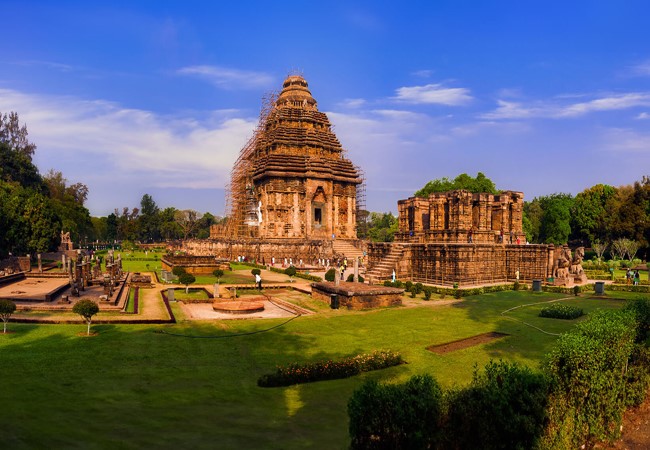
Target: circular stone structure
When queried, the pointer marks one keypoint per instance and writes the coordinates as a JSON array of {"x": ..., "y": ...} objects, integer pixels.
[{"x": 238, "y": 306}]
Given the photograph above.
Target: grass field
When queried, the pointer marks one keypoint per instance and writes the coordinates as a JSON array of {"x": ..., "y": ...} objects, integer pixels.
[{"x": 132, "y": 387}]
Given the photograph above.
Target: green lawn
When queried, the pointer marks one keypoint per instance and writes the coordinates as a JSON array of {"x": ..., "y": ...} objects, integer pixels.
[{"x": 132, "y": 387}]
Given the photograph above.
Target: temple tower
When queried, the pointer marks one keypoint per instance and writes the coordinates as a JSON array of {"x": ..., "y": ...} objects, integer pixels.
[{"x": 295, "y": 181}]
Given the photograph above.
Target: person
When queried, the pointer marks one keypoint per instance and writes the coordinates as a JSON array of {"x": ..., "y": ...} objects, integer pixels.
[
  {"x": 628, "y": 276},
  {"x": 501, "y": 236},
  {"x": 342, "y": 269},
  {"x": 393, "y": 275},
  {"x": 470, "y": 234},
  {"x": 517, "y": 275},
  {"x": 258, "y": 281},
  {"x": 512, "y": 237},
  {"x": 637, "y": 277}
]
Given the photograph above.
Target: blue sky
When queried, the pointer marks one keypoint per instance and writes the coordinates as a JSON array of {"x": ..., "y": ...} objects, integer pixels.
[{"x": 159, "y": 97}]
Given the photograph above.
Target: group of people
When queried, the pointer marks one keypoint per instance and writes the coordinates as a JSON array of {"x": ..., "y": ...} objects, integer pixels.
[{"x": 632, "y": 277}]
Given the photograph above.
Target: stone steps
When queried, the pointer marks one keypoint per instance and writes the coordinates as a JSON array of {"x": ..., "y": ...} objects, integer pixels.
[
  {"x": 346, "y": 248},
  {"x": 383, "y": 269}
]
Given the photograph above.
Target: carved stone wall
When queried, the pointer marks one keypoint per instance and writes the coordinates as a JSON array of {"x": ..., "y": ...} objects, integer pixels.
[
  {"x": 453, "y": 216},
  {"x": 467, "y": 264}
]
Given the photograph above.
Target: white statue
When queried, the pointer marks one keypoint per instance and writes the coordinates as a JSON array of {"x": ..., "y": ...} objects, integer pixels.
[{"x": 259, "y": 212}]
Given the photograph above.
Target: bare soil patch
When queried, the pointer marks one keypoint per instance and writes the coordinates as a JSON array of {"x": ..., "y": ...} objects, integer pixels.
[
  {"x": 460, "y": 344},
  {"x": 636, "y": 429}
]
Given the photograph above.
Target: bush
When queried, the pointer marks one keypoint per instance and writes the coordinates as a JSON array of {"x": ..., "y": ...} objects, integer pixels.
[
  {"x": 412, "y": 293},
  {"x": 427, "y": 293},
  {"x": 331, "y": 274},
  {"x": 418, "y": 288},
  {"x": 291, "y": 271},
  {"x": 350, "y": 278},
  {"x": 641, "y": 309},
  {"x": 408, "y": 286},
  {"x": 458, "y": 293},
  {"x": 576, "y": 290},
  {"x": 637, "y": 376},
  {"x": 586, "y": 369},
  {"x": 404, "y": 416},
  {"x": 330, "y": 370},
  {"x": 560, "y": 311},
  {"x": 218, "y": 273},
  {"x": 387, "y": 283},
  {"x": 503, "y": 407},
  {"x": 256, "y": 271}
]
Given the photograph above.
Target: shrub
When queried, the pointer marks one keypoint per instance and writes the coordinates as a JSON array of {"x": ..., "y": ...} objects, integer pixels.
[
  {"x": 331, "y": 274},
  {"x": 576, "y": 290},
  {"x": 291, "y": 271},
  {"x": 398, "y": 284},
  {"x": 637, "y": 376},
  {"x": 458, "y": 293},
  {"x": 387, "y": 283},
  {"x": 418, "y": 288},
  {"x": 218, "y": 273},
  {"x": 412, "y": 293},
  {"x": 256, "y": 271},
  {"x": 427, "y": 293},
  {"x": 408, "y": 286},
  {"x": 503, "y": 407},
  {"x": 406, "y": 416},
  {"x": 350, "y": 278},
  {"x": 586, "y": 369},
  {"x": 86, "y": 308},
  {"x": 330, "y": 370},
  {"x": 641, "y": 309},
  {"x": 515, "y": 286},
  {"x": 560, "y": 311}
]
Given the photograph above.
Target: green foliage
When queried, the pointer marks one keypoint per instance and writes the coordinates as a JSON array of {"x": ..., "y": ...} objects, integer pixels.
[
  {"x": 291, "y": 271},
  {"x": 589, "y": 214},
  {"x": 408, "y": 286},
  {"x": 463, "y": 181},
  {"x": 379, "y": 227},
  {"x": 640, "y": 307},
  {"x": 586, "y": 369},
  {"x": 331, "y": 274},
  {"x": 504, "y": 407},
  {"x": 427, "y": 293},
  {"x": 178, "y": 270},
  {"x": 256, "y": 271},
  {"x": 330, "y": 370},
  {"x": 458, "y": 293},
  {"x": 7, "y": 308},
  {"x": 218, "y": 273},
  {"x": 87, "y": 309},
  {"x": 561, "y": 311},
  {"x": 350, "y": 278},
  {"x": 186, "y": 279},
  {"x": 403, "y": 416},
  {"x": 637, "y": 378}
]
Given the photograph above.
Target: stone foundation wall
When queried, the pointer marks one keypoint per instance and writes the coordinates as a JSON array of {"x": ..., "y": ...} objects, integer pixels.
[
  {"x": 467, "y": 264},
  {"x": 196, "y": 265},
  {"x": 357, "y": 299},
  {"x": 261, "y": 251}
]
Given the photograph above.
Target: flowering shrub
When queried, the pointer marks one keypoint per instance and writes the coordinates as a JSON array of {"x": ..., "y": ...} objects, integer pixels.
[
  {"x": 330, "y": 370},
  {"x": 559, "y": 311}
]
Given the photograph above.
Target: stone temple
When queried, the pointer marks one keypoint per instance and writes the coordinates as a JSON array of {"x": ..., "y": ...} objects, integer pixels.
[
  {"x": 293, "y": 193},
  {"x": 293, "y": 180}
]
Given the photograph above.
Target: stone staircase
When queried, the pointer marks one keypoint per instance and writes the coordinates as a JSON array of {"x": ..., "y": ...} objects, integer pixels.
[
  {"x": 383, "y": 269},
  {"x": 346, "y": 248}
]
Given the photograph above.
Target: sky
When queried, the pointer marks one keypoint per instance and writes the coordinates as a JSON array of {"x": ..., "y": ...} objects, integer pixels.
[{"x": 159, "y": 97}]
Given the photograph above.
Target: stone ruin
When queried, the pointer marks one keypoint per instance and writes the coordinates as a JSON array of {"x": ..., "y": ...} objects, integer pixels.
[{"x": 464, "y": 239}]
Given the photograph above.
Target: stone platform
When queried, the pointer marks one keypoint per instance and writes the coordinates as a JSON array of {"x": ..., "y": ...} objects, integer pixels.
[
  {"x": 239, "y": 307},
  {"x": 34, "y": 289},
  {"x": 358, "y": 295}
]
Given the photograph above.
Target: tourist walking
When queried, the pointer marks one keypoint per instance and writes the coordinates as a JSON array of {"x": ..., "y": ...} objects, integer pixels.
[
  {"x": 637, "y": 277},
  {"x": 258, "y": 281},
  {"x": 470, "y": 234},
  {"x": 628, "y": 276}
]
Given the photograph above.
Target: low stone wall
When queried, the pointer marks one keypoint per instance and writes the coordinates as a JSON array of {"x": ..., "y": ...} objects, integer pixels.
[
  {"x": 467, "y": 264},
  {"x": 261, "y": 251},
  {"x": 196, "y": 265},
  {"x": 357, "y": 295}
]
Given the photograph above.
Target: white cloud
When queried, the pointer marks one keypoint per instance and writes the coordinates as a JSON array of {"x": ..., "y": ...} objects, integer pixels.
[
  {"x": 433, "y": 94},
  {"x": 226, "y": 78},
  {"x": 424, "y": 73},
  {"x": 352, "y": 103},
  {"x": 643, "y": 116},
  {"x": 557, "y": 109},
  {"x": 641, "y": 70},
  {"x": 132, "y": 146},
  {"x": 628, "y": 140}
]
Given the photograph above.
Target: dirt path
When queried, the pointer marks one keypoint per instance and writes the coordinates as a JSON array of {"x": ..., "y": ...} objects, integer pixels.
[{"x": 636, "y": 429}]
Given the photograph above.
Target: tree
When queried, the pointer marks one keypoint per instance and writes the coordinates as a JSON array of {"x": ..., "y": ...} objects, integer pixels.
[
  {"x": 555, "y": 227},
  {"x": 7, "y": 308},
  {"x": 149, "y": 228},
  {"x": 599, "y": 248},
  {"x": 382, "y": 227},
  {"x": 186, "y": 220},
  {"x": 86, "y": 308},
  {"x": 218, "y": 273},
  {"x": 463, "y": 181},
  {"x": 588, "y": 213},
  {"x": 14, "y": 135},
  {"x": 178, "y": 270},
  {"x": 186, "y": 279},
  {"x": 291, "y": 271}
]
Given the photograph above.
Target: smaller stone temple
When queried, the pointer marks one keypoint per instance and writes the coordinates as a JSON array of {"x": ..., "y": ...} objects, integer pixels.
[
  {"x": 461, "y": 238},
  {"x": 462, "y": 216}
]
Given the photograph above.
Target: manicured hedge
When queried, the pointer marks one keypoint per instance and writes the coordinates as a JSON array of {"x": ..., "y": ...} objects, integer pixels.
[
  {"x": 304, "y": 276},
  {"x": 560, "y": 311},
  {"x": 330, "y": 370}
]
